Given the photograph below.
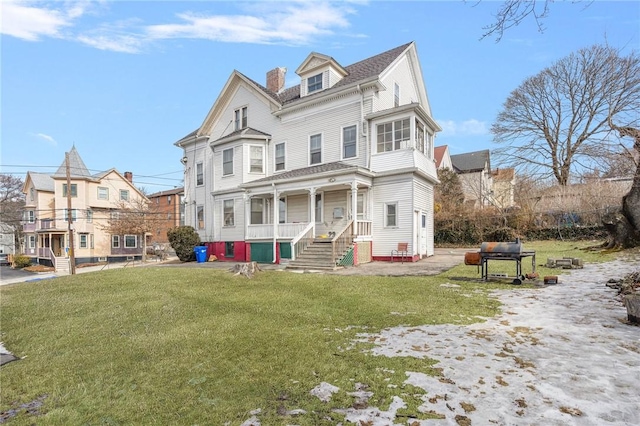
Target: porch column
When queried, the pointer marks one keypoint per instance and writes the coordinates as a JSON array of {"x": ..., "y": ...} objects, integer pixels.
[
  {"x": 312, "y": 208},
  {"x": 354, "y": 206},
  {"x": 276, "y": 220},
  {"x": 247, "y": 215}
]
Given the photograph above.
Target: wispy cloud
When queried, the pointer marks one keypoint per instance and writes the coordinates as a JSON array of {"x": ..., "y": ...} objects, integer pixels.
[
  {"x": 463, "y": 128},
  {"x": 291, "y": 23},
  {"x": 49, "y": 139}
]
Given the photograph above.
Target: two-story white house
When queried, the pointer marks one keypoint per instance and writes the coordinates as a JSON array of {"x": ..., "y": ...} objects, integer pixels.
[{"x": 343, "y": 160}]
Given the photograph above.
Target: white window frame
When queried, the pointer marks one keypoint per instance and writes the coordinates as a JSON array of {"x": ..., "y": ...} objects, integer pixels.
[
  {"x": 89, "y": 215},
  {"x": 32, "y": 193},
  {"x": 317, "y": 83},
  {"x": 387, "y": 216},
  {"x": 282, "y": 210},
  {"x": 259, "y": 203},
  {"x": 355, "y": 141},
  {"x": 229, "y": 221},
  {"x": 421, "y": 142},
  {"x": 395, "y": 144},
  {"x": 319, "y": 207},
  {"x": 284, "y": 157},
  {"x": 396, "y": 95},
  {"x": 74, "y": 215},
  {"x": 199, "y": 173},
  {"x": 225, "y": 162},
  {"x": 124, "y": 195},
  {"x": 32, "y": 241},
  {"x": 200, "y": 220},
  {"x": 251, "y": 159},
  {"x": 127, "y": 238},
  {"x": 103, "y": 193},
  {"x": 115, "y": 241},
  {"x": 311, "y": 137},
  {"x": 84, "y": 240},
  {"x": 31, "y": 216},
  {"x": 240, "y": 118}
]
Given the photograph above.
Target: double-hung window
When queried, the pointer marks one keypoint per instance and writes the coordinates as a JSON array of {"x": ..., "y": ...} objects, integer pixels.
[
  {"x": 256, "y": 160},
  {"x": 314, "y": 83},
  {"x": 315, "y": 149},
  {"x": 115, "y": 241},
  {"x": 89, "y": 215},
  {"x": 349, "y": 142},
  {"x": 257, "y": 208},
  {"x": 240, "y": 118},
  {"x": 124, "y": 195},
  {"x": 200, "y": 217},
  {"x": 391, "y": 136},
  {"x": 74, "y": 190},
  {"x": 227, "y": 162},
  {"x": 103, "y": 193},
  {"x": 228, "y": 213},
  {"x": 84, "y": 240},
  {"x": 279, "y": 156},
  {"x": 396, "y": 94},
  {"x": 420, "y": 138},
  {"x": 391, "y": 215},
  {"x": 199, "y": 174},
  {"x": 74, "y": 215},
  {"x": 31, "y": 216},
  {"x": 282, "y": 210}
]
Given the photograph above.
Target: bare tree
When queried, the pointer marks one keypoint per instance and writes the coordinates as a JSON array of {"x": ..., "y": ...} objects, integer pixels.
[
  {"x": 135, "y": 217},
  {"x": 556, "y": 122},
  {"x": 12, "y": 201},
  {"x": 512, "y": 12},
  {"x": 624, "y": 226}
]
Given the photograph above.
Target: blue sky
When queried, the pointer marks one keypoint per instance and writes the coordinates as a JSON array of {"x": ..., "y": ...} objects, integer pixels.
[{"x": 122, "y": 81}]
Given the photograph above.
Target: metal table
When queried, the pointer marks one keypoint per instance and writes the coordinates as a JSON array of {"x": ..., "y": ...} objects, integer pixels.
[{"x": 516, "y": 257}]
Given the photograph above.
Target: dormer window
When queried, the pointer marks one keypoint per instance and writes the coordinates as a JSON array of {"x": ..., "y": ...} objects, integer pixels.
[
  {"x": 240, "y": 118},
  {"x": 314, "y": 83}
]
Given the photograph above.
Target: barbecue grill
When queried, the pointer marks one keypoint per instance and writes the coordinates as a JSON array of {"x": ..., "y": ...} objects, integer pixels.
[{"x": 512, "y": 251}]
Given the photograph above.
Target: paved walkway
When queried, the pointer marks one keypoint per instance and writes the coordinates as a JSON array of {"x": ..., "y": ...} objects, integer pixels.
[{"x": 442, "y": 260}]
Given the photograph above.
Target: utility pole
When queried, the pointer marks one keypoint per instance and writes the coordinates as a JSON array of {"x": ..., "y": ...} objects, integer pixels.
[{"x": 72, "y": 254}]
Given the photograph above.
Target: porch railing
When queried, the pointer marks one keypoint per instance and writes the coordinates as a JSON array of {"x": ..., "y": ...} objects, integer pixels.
[
  {"x": 265, "y": 231},
  {"x": 363, "y": 228},
  {"x": 301, "y": 241},
  {"x": 342, "y": 241}
]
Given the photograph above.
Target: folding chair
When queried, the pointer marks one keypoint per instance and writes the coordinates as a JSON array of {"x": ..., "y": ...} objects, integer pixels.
[{"x": 401, "y": 251}]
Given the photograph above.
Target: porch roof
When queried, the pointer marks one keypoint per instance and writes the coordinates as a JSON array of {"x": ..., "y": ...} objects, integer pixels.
[{"x": 334, "y": 168}]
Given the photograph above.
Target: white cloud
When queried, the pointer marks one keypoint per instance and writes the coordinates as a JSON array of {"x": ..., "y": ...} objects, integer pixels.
[
  {"x": 292, "y": 23},
  {"x": 464, "y": 128},
  {"x": 49, "y": 139}
]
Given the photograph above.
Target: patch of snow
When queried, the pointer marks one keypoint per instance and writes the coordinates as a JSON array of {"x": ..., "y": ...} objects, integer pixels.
[{"x": 324, "y": 391}]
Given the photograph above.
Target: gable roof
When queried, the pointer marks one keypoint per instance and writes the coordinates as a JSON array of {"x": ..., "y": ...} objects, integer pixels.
[
  {"x": 471, "y": 161},
  {"x": 77, "y": 169},
  {"x": 174, "y": 191},
  {"x": 306, "y": 171},
  {"x": 41, "y": 181},
  {"x": 438, "y": 153}
]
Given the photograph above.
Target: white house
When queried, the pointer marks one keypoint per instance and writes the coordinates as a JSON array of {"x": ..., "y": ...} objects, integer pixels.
[{"x": 339, "y": 168}]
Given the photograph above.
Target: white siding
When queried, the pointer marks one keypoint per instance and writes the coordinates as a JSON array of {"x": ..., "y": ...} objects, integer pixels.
[
  {"x": 391, "y": 190},
  {"x": 230, "y": 233},
  {"x": 402, "y": 75},
  {"x": 331, "y": 200},
  {"x": 423, "y": 201}
]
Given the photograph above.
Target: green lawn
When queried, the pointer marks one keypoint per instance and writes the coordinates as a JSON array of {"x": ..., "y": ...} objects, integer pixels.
[{"x": 159, "y": 345}]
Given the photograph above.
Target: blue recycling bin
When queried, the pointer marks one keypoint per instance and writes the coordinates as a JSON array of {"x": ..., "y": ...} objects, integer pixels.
[{"x": 201, "y": 253}]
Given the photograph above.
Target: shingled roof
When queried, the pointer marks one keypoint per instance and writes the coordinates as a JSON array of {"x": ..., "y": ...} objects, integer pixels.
[
  {"x": 358, "y": 71},
  {"x": 471, "y": 161},
  {"x": 77, "y": 169},
  {"x": 306, "y": 171}
]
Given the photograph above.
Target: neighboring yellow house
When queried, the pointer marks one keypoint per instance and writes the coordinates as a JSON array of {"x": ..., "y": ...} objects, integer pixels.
[{"x": 94, "y": 199}]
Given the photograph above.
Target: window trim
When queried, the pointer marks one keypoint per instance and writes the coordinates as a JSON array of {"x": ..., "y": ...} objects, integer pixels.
[
  {"x": 355, "y": 142},
  {"x": 387, "y": 215},
  {"x": 103, "y": 193},
  {"x": 135, "y": 240},
  {"x": 309, "y": 148},
  {"x": 284, "y": 157},
  {"x": 396, "y": 94},
  {"x": 200, "y": 223},
  {"x": 122, "y": 192},
  {"x": 224, "y": 173},
  {"x": 232, "y": 216},
  {"x": 282, "y": 218},
  {"x": 74, "y": 215},
  {"x": 74, "y": 190},
  {"x": 315, "y": 83},
  {"x": 31, "y": 216},
  {"x": 89, "y": 215},
  {"x": 240, "y": 118},
  {"x": 199, "y": 173},
  {"x": 84, "y": 237},
  {"x": 257, "y": 201},
  {"x": 262, "y": 159},
  {"x": 115, "y": 241},
  {"x": 396, "y": 144}
]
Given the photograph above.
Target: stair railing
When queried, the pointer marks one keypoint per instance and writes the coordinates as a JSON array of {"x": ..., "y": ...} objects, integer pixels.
[
  {"x": 341, "y": 242},
  {"x": 301, "y": 241}
]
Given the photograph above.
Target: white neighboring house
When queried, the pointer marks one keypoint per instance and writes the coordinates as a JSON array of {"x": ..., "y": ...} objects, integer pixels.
[
  {"x": 7, "y": 241},
  {"x": 474, "y": 170},
  {"x": 345, "y": 157}
]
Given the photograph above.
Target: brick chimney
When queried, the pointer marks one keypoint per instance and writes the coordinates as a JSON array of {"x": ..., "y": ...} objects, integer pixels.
[
  {"x": 128, "y": 176},
  {"x": 275, "y": 79}
]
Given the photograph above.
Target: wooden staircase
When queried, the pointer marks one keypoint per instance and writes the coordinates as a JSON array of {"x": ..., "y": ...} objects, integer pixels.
[
  {"x": 318, "y": 256},
  {"x": 63, "y": 265}
]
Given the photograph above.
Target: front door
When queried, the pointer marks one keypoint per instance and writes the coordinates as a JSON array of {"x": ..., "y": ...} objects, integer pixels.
[{"x": 423, "y": 234}]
